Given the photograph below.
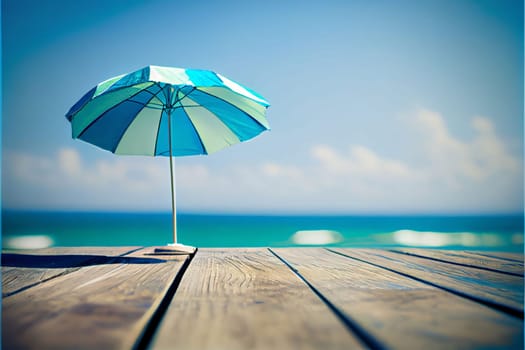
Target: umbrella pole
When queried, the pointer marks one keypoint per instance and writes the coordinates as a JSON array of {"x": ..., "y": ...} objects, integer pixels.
[
  {"x": 173, "y": 248},
  {"x": 172, "y": 175},
  {"x": 173, "y": 199}
]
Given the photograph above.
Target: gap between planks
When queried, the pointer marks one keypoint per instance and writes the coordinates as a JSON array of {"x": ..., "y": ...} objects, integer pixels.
[
  {"x": 465, "y": 259},
  {"x": 503, "y": 256}
]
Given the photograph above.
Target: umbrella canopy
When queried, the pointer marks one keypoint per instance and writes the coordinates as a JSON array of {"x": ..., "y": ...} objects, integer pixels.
[
  {"x": 165, "y": 111},
  {"x": 128, "y": 114}
]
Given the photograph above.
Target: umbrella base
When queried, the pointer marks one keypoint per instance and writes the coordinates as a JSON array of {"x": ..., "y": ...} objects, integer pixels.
[{"x": 175, "y": 249}]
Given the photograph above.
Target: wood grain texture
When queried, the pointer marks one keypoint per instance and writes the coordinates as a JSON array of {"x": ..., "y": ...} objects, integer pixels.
[
  {"x": 102, "y": 306},
  {"x": 27, "y": 268},
  {"x": 503, "y": 290},
  {"x": 247, "y": 299},
  {"x": 467, "y": 259},
  {"x": 399, "y": 312}
]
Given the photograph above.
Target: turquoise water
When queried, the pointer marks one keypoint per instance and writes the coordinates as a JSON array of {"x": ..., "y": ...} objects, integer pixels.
[{"x": 490, "y": 232}]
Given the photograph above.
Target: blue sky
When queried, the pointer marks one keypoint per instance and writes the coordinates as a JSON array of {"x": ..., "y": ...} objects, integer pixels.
[{"x": 376, "y": 106}]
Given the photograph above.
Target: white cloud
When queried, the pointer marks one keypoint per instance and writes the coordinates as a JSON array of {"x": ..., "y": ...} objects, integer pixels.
[
  {"x": 359, "y": 161},
  {"x": 457, "y": 161},
  {"x": 456, "y": 175},
  {"x": 477, "y": 174},
  {"x": 66, "y": 181}
]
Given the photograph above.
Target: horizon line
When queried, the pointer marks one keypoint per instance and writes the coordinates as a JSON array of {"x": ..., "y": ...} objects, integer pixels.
[{"x": 263, "y": 212}]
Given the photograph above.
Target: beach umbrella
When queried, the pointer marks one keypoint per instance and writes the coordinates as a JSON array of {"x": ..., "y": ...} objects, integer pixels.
[{"x": 166, "y": 111}]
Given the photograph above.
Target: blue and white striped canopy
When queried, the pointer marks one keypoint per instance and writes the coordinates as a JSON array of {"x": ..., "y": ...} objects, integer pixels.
[{"x": 135, "y": 113}]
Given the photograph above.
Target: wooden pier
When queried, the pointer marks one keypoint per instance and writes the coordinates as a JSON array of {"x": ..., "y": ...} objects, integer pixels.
[{"x": 289, "y": 298}]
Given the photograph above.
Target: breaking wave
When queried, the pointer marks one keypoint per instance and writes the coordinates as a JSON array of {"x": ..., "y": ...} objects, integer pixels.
[
  {"x": 316, "y": 237},
  {"x": 27, "y": 242},
  {"x": 442, "y": 239}
]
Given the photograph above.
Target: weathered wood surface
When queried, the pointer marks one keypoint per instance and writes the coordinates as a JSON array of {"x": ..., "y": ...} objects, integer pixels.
[
  {"x": 396, "y": 311},
  {"x": 500, "y": 290},
  {"x": 121, "y": 298},
  {"x": 101, "y": 306},
  {"x": 247, "y": 299},
  {"x": 24, "y": 269},
  {"x": 468, "y": 259}
]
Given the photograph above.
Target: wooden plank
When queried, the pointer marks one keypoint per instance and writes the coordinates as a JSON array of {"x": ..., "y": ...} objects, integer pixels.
[
  {"x": 103, "y": 306},
  {"x": 502, "y": 291},
  {"x": 247, "y": 299},
  {"x": 25, "y": 269},
  {"x": 401, "y": 313},
  {"x": 94, "y": 250},
  {"x": 503, "y": 256},
  {"x": 468, "y": 259}
]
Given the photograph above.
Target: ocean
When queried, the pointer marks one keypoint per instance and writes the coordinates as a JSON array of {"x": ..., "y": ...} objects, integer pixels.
[{"x": 31, "y": 229}]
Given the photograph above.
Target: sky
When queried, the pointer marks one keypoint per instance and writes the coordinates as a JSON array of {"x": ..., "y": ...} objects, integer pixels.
[{"x": 377, "y": 107}]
